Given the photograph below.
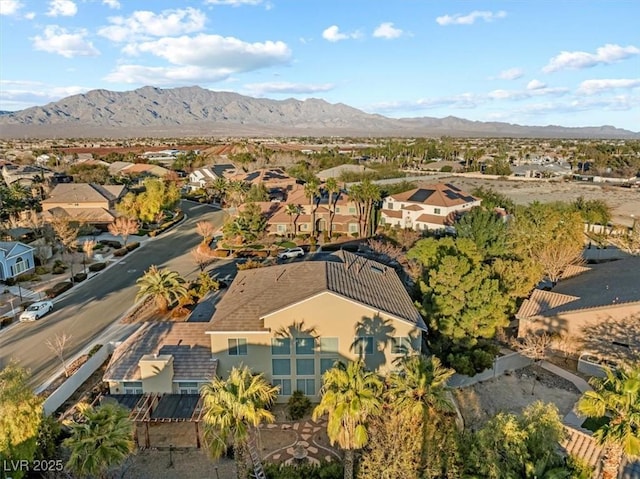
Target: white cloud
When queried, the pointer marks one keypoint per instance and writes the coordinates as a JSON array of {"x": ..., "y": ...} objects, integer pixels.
[
  {"x": 233, "y": 3},
  {"x": 260, "y": 89},
  {"x": 606, "y": 54},
  {"x": 590, "y": 87},
  {"x": 62, "y": 8},
  {"x": 115, "y": 4},
  {"x": 511, "y": 74},
  {"x": 63, "y": 42},
  {"x": 17, "y": 95},
  {"x": 469, "y": 19},
  {"x": 462, "y": 101},
  {"x": 535, "y": 85},
  {"x": 186, "y": 75},
  {"x": 10, "y": 7},
  {"x": 30, "y": 15},
  {"x": 387, "y": 30},
  {"x": 333, "y": 34},
  {"x": 144, "y": 24}
]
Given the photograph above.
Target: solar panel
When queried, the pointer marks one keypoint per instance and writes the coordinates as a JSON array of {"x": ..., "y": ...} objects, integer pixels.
[{"x": 420, "y": 195}]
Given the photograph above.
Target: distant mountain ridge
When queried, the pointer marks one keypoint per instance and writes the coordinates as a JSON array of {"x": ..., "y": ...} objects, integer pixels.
[{"x": 191, "y": 111}]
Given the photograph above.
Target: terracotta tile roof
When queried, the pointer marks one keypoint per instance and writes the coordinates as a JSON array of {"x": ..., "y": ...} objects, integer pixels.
[
  {"x": 580, "y": 443},
  {"x": 257, "y": 292},
  {"x": 412, "y": 207},
  {"x": 88, "y": 215},
  {"x": 541, "y": 301},
  {"x": 574, "y": 270},
  {"x": 188, "y": 343},
  {"x": 83, "y": 192},
  {"x": 440, "y": 194},
  {"x": 392, "y": 213},
  {"x": 431, "y": 219},
  {"x": 344, "y": 219}
]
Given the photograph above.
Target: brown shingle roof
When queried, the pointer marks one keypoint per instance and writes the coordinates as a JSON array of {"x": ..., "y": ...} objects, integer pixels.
[
  {"x": 258, "y": 292},
  {"x": 86, "y": 215},
  {"x": 392, "y": 213},
  {"x": 440, "y": 194},
  {"x": 541, "y": 301},
  {"x": 188, "y": 343},
  {"x": 83, "y": 192},
  {"x": 431, "y": 219}
]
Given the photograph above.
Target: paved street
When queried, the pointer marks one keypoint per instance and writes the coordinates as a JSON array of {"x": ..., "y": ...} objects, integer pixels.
[{"x": 91, "y": 308}]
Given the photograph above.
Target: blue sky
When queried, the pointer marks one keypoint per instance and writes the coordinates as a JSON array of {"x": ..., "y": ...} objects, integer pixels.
[{"x": 534, "y": 62}]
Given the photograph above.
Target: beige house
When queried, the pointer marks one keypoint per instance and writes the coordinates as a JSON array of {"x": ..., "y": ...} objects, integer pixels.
[
  {"x": 84, "y": 202},
  {"x": 597, "y": 306},
  {"x": 431, "y": 207},
  {"x": 290, "y": 322}
]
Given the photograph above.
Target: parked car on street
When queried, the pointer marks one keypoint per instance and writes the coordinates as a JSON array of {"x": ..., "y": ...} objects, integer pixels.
[
  {"x": 36, "y": 311},
  {"x": 291, "y": 253}
]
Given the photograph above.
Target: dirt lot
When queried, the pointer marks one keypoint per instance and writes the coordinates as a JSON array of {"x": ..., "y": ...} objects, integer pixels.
[
  {"x": 623, "y": 201},
  {"x": 513, "y": 393}
]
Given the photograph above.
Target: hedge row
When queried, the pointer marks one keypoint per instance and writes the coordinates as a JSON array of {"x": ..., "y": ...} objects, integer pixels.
[
  {"x": 111, "y": 243},
  {"x": 97, "y": 267},
  {"x": 132, "y": 246},
  {"x": 120, "y": 252},
  {"x": 79, "y": 278},
  {"x": 58, "y": 289}
]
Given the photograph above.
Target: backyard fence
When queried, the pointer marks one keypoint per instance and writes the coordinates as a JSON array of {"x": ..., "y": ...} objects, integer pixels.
[
  {"x": 71, "y": 385},
  {"x": 509, "y": 362}
]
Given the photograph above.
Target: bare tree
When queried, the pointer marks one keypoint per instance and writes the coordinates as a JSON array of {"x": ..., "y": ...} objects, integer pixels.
[
  {"x": 206, "y": 230},
  {"x": 57, "y": 345},
  {"x": 535, "y": 347},
  {"x": 201, "y": 257},
  {"x": 627, "y": 239},
  {"x": 123, "y": 226},
  {"x": 68, "y": 235},
  {"x": 386, "y": 251},
  {"x": 88, "y": 246}
]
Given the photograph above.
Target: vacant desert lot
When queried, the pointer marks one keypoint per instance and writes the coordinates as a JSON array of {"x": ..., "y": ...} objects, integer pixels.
[{"x": 624, "y": 202}]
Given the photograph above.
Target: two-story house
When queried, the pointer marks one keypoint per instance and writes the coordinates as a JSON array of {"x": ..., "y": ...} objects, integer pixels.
[
  {"x": 290, "y": 322},
  {"x": 84, "y": 202},
  {"x": 201, "y": 177},
  {"x": 431, "y": 207}
]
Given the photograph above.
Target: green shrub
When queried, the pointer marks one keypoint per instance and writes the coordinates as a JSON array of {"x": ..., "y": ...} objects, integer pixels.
[
  {"x": 10, "y": 281},
  {"x": 94, "y": 349},
  {"x": 97, "y": 267},
  {"x": 446, "y": 169},
  {"x": 58, "y": 289},
  {"x": 336, "y": 235},
  {"x": 355, "y": 234},
  {"x": 59, "y": 264},
  {"x": 42, "y": 270},
  {"x": 324, "y": 470},
  {"x": 325, "y": 236},
  {"x": 27, "y": 277},
  {"x": 5, "y": 321},
  {"x": 98, "y": 246},
  {"x": 111, "y": 243},
  {"x": 79, "y": 278},
  {"x": 120, "y": 252},
  {"x": 298, "y": 405},
  {"x": 58, "y": 270},
  {"x": 132, "y": 246}
]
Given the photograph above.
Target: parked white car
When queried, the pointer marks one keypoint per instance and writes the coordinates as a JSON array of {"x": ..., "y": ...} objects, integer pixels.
[
  {"x": 291, "y": 253},
  {"x": 36, "y": 311}
]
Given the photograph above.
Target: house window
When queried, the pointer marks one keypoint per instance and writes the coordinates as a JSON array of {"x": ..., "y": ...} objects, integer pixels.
[
  {"x": 280, "y": 346},
  {"x": 353, "y": 228},
  {"x": 285, "y": 386},
  {"x": 307, "y": 386},
  {"x": 132, "y": 387},
  {"x": 400, "y": 345},
  {"x": 281, "y": 367},
  {"x": 389, "y": 206},
  {"x": 304, "y": 345},
  {"x": 326, "y": 364},
  {"x": 437, "y": 211},
  {"x": 187, "y": 387},
  {"x": 382, "y": 222},
  {"x": 303, "y": 227},
  {"x": 352, "y": 210},
  {"x": 20, "y": 266},
  {"x": 305, "y": 367},
  {"x": 237, "y": 346},
  {"x": 282, "y": 228},
  {"x": 337, "y": 209},
  {"x": 328, "y": 345},
  {"x": 364, "y": 345}
]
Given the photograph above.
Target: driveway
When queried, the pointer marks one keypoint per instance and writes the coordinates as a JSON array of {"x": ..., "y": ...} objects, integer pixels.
[{"x": 93, "y": 306}]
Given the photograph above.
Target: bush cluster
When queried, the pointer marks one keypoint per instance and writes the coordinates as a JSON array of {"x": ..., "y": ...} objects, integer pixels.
[
  {"x": 120, "y": 252},
  {"x": 324, "y": 470},
  {"x": 178, "y": 217},
  {"x": 58, "y": 289},
  {"x": 42, "y": 270},
  {"x": 132, "y": 246},
  {"x": 79, "y": 278},
  {"x": 298, "y": 405},
  {"x": 111, "y": 243},
  {"x": 5, "y": 321},
  {"x": 97, "y": 267},
  {"x": 28, "y": 277}
]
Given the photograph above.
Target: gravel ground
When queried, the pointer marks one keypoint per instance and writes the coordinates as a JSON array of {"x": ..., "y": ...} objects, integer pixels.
[{"x": 191, "y": 464}]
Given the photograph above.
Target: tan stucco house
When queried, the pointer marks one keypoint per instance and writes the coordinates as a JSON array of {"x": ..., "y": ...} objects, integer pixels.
[
  {"x": 84, "y": 202},
  {"x": 431, "y": 207},
  {"x": 597, "y": 306},
  {"x": 290, "y": 322}
]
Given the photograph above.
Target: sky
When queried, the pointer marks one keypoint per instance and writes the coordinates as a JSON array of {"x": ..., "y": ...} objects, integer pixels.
[{"x": 531, "y": 62}]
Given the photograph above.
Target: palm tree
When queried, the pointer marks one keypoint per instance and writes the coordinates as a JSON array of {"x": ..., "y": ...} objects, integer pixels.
[
  {"x": 293, "y": 211},
  {"x": 371, "y": 194},
  {"x": 219, "y": 188},
  {"x": 616, "y": 397},
  {"x": 311, "y": 189},
  {"x": 162, "y": 285},
  {"x": 101, "y": 439},
  {"x": 350, "y": 396},
  {"x": 419, "y": 389},
  {"x": 238, "y": 190},
  {"x": 232, "y": 407},
  {"x": 332, "y": 188}
]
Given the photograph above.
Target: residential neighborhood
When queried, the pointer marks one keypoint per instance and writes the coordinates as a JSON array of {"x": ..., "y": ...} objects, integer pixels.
[{"x": 175, "y": 293}]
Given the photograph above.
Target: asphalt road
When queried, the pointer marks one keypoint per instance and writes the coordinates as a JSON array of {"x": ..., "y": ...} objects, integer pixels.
[{"x": 90, "y": 308}]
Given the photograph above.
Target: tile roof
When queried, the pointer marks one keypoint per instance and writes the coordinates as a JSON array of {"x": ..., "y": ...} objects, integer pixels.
[
  {"x": 83, "y": 192},
  {"x": 257, "y": 292},
  {"x": 91, "y": 215},
  {"x": 606, "y": 284},
  {"x": 188, "y": 343},
  {"x": 431, "y": 219},
  {"x": 392, "y": 213},
  {"x": 440, "y": 194},
  {"x": 8, "y": 246},
  {"x": 412, "y": 207},
  {"x": 574, "y": 270}
]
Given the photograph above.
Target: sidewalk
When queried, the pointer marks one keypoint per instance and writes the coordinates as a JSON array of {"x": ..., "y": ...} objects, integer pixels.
[{"x": 571, "y": 419}]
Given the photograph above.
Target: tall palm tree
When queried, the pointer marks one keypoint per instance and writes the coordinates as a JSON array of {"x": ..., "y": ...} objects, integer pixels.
[
  {"x": 238, "y": 190},
  {"x": 219, "y": 188},
  {"x": 311, "y": 189},
  {"x": 350, "y": 396},
  {"x": 419, "y": 389},
  {"x": 371, "y": 194},
  {"x": 617, "y": 397},
  {"x": 232, "y": 407},
  {"x": 332, "y": 188},
  {"x": 293, "y": 211},
  {"x": 163, "y": 285},
  {"x": 101, "y": 439}
]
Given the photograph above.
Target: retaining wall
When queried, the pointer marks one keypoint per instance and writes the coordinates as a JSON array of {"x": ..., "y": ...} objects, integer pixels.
[{"x": 509, "y": 362}]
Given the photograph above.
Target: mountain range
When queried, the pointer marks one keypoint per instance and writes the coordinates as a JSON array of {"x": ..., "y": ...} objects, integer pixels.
[{"x": 195, "y": 111}]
